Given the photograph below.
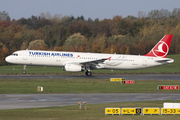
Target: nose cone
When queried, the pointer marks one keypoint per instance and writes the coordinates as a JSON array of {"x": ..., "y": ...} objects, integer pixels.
[{"x": 7, "y": 59}]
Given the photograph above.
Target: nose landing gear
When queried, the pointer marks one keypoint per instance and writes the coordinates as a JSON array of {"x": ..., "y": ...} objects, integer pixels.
[{"x": 24, "y": 70}]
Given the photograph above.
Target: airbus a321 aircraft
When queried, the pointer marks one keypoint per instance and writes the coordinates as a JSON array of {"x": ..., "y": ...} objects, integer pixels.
[{"x": 79, "y": 61}]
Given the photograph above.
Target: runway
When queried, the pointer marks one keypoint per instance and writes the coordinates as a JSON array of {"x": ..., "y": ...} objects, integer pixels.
[
  {"x": 17, "y": 101},
  {"x": 126, "y": 76}
]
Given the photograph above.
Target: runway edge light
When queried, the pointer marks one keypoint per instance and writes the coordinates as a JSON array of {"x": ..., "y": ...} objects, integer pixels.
[
  {"x": 84, "y": 103},
  {"x": 79, "y": 103},
  {"x": 81, "y": 106}
]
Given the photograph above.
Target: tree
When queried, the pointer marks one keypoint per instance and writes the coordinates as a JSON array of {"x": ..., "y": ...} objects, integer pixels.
[
  {"x": 141, "y": 14},
  {"x": 99, "y": 45},
  {"x": 5, "y": 23},
  {"x": 124, "y": 27},
  {"x": 104, "y": 28},
  {"x": 80, "y": 27},
  {"x": 1, "y": 45},
  {"x": 159, "y": 14},
  {"x": 115, "y": 20},
  {"x": 127, "y": 51},
  {"x": 4, "y": 52},
  {"x": 123, "y": 49},
  {"x": 4, "y": 16},
  {"x": 81, "y": 18},
  {"x": 36, "y": 45},
  {"x": 56, "y": 18},
  {"x": 76, "y": 43},
  {"x": 24, "y": 45}
]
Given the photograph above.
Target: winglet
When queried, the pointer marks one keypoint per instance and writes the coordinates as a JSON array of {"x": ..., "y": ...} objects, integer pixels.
[
  {"x": 109, "y": 58},
  {"x": 161, "y": 49}
]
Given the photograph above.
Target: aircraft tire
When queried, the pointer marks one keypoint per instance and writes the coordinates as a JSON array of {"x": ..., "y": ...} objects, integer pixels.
[
  {"x": 88, "y": 73},
  {"x": 24, "y": 72}
]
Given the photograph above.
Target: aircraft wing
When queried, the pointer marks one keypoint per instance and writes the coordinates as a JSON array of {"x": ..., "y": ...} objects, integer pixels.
[
  {"x": 94, "y": 61},
  {"x": 90, "y": 62},
  {"x": 93, "y": 64}
]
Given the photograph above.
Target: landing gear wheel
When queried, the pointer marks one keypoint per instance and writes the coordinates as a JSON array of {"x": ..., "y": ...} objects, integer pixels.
[
  {"x": 24, "y": 72},
  {"x": 88, "y": 73}
]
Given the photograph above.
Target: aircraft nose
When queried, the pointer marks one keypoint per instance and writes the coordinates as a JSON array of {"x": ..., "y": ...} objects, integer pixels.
[{"x": 7, "y": 59}]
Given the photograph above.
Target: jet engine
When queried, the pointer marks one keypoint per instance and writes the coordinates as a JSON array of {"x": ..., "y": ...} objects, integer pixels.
[{"x": 73, "y": 68}]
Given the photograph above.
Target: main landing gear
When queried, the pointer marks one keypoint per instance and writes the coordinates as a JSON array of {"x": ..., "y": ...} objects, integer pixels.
[
  {"x": 24, "y": 70},
  {"x": 88, "y": 73}
]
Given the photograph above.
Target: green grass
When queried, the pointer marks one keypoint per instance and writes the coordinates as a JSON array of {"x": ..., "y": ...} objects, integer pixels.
[
  {"x": 17, "y": 69},
  {"x": 23, "y": 86},
  {"x": 93, "y": 112}
]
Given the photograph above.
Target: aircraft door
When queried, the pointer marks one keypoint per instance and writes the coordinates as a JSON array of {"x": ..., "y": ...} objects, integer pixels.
[
  {"x": 58, "y": 59},
  {"x": 25, "y": 53},
  {"x": 144, "y": 62}
]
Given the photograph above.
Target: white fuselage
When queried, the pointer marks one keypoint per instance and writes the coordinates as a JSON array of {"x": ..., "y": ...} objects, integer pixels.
[{"x": 60, "y": 58}]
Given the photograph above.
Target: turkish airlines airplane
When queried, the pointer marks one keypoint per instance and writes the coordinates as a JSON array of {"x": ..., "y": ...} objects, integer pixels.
[{"x": 79, "y": 61}]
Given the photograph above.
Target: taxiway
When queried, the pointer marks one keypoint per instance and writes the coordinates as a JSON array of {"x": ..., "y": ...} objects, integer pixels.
[
  {"x": 17, "y": 101},
  {"x": 126, "y": 76}
]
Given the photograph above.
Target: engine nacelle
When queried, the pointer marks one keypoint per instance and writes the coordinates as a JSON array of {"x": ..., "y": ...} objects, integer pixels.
[{"x": 73, "y": 68}]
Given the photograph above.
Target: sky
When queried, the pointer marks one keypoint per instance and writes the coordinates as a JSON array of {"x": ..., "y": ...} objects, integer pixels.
[{"x": 88, "y": 8}]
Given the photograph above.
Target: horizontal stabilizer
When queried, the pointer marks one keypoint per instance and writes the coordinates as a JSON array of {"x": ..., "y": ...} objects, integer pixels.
[{"x": 166, "y": 61}]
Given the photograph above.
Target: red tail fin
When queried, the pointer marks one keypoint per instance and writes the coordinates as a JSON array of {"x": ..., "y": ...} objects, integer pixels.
[{"x": 161, "y": 49}]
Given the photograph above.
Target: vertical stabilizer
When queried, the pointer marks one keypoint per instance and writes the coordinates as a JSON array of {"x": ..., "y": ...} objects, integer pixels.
[{"x": 161, "y": 49}]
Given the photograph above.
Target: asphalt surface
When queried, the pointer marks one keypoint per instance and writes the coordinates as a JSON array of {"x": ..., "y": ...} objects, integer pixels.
[
  {"x": 16, "y": 101},
  {"x": 126, "y": 76}
]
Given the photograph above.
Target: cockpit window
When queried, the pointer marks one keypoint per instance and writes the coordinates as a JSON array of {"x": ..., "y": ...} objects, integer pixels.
[{"x": 15, "y": 54}]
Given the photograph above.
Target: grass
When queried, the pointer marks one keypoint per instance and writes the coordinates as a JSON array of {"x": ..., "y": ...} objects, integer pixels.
[
  {"x": 165, "y": 69},
  {"x": 27, "y": 86},
  {"x": 93, "y": 112}
]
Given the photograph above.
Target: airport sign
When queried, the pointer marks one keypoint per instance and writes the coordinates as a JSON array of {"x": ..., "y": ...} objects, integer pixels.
[
  {"x": 133, "y": 111},
  {"x": 127, "y": 82},
  {"x": 141, "y": 111},
  {"x": 151, "y": 111},
  {"x": 172, "y": 111},
  {"x": 116, "y": 79},
  {"x": 168, "y": 87},
  {"x": 112, "y": 111}
]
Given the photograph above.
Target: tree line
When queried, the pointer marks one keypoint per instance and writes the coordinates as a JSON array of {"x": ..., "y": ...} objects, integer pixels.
[{"x": 129, "y": 35}]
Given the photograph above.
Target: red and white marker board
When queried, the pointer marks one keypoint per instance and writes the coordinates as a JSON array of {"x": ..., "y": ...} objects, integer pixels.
[
  {"x": 168, "y": 87},
  {"x": 127, "y": 82}
]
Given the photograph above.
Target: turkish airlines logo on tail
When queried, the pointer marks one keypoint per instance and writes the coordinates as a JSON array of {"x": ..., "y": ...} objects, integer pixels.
[{"x": 161, "y": 49}]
